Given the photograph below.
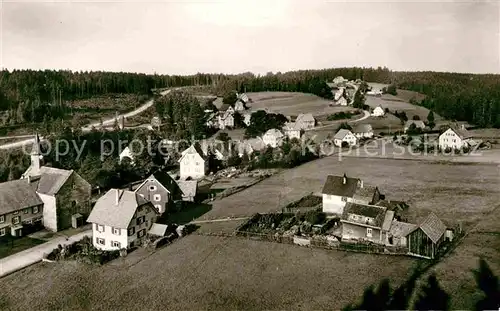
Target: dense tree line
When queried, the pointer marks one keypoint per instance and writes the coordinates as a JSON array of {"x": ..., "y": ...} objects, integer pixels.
[
  {"x": 430, "y": 296},
  {"x": 261, "y": 122}
]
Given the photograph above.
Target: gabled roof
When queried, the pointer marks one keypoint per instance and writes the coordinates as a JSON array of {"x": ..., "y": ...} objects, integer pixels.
[
  {"x": 51, "y": 180},
  {"x": 166, "y": 181},
  {"x": 401, "y": 229},
  {"x": 379, "y": 106},
  {"x": 107, "y": 212},
  {"x": 305, "y": 117},
  {"x": 16, "y": 195},
  {"x": 433, "y": 227},
  {"x": 365, "y": 193},
  {"x": 389, "y": 216},
  {"x": 274, "y": 132},
  {"x": 291, "y": 126},
  {"x": 363, "y": 128},
  {"x": 188, "y": 187},
  {"x": 335, "y": 185},
  {"x": 194, "y": 149},
  {"x": 462, "y": 133},
  {"x": 218, "y": 102},
  {"x": 256, "y": 143},
  {"x": 341, "y": 134},
  {"x": 418, "y": 123},
  {"x": 372, "y": 211}
]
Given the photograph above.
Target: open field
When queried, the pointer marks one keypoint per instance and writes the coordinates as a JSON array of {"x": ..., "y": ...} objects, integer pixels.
[
  {"x": 205, "y": 273},
  {"x": 291, "y": 104}
]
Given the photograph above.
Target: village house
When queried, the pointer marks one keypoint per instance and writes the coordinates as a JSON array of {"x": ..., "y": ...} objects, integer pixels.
[
  {"x": 344, "y": 136},
  {"x": 339, "y": 93},
  {"x": 424, "y": 240},
  {"x": 189, "y": 189},
  {"x": 65, "y": 194},
  {"x": 126, "y": 154},
  {"x": 243, "y": 97},
  {"x": 342, "y": 101},
  {"x": 161, "y": 190},
  {"x": 292, "y": 130},
  {"x": 120, "y": 219},
  {"x": 455, "y": 139},
  {"x": 247, "y": 117},
  {"x": 305, "y": 121},
  {"x": 193, "y": 163},
  {"x": 363, "y": 131},
  {"x": 226, "y": 118},
  {"x": 239, "y": 105},
  {"x": 21, "y": 209},
  {"x": 378, "y": 112},
  {"x": 362, "y": 222},
  {"x": 339, "y": 190},
  {"x": 273, "y": 138},
  {"x": 419, "y": 124}
]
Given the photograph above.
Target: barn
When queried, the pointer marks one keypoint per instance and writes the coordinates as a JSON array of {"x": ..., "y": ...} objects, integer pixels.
[{"x": 424, "y": 241}]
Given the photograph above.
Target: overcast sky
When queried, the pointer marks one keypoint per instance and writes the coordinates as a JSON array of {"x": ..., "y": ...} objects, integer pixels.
[{"x": 183, "y": 37}]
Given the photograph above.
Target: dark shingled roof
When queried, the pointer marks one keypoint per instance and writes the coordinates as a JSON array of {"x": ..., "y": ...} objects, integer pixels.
[
  {"x": 168, "y": 182},
  {"x": 334, "y": 185},
  {"x": 433, "y": 227},
  {"x": 366, "y": 193},
  {"x": 372, "y": 211},
  {"x": 52, "y": 179},
  {"x": 16, "y": 195}
]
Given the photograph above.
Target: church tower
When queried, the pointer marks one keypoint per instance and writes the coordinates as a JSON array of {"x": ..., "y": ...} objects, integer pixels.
[{"x": 36, "y": 157}]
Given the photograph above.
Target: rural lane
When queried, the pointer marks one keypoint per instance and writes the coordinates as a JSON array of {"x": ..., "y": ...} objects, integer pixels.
[
  {"x": 88, "y": 128},
  {"x": 35, "y": 254}
]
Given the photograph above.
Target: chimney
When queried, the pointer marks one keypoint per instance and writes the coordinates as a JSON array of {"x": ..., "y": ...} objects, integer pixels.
[
  {"x": 117, "y": 196},
  {"x": 345, "y": 179},
  {"x": 360, "y": 183}
]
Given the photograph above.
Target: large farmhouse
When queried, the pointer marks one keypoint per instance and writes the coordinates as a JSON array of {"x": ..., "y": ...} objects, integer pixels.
[
  {"x": 344, "y": 136},
  {"x": 455, "y": 139}
]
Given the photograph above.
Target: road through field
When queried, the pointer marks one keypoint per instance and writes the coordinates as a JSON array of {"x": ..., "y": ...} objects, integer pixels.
[{"x": 89, "y": 127}]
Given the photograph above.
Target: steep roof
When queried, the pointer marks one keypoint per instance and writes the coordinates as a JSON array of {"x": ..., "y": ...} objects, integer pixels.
[
  {"x": 305, "y": 117},
  {"x": 218, "y": 102},
  {"x": 335, "y": 185},
  {"x": 433, "y": 227},
  {"x": 188, "y": 187},
  {"x": 401, "y": 229},
  {"x": 418, "y": 123},
  {"x": 166, "y": 181},
  {"x": 372, "y": 211},
  {"x": 274, "y": 132},
  {"x": 291, "y": 126},
  {"x": 363, "y": 128},
  {"x": 462, "y": 133},
  {"x": 51, "y": 180},
  {"x": 194, "y": 149},
  {"x": 365, "y": 193},
  {"x": 107, "y": 212},
  {"x": 341, "y": 134},
  {"x": 389, "y": 216},
  {"x": 16, "y": 195}
]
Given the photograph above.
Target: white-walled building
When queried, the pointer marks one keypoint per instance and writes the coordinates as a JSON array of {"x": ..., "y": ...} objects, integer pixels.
[
  {"x": 193, "y": 163},
  {"x": 344, "y": 135},
  {"x": 273, "y": 138},
  {"x": 342, "y": 101},
  {"x": 292, "y": 130},
  {"x": 120, "y": 219},
  {"x": 339, "y": 190},
  {"x": 127, "y": 153},
  {"x": 378, "y": 112},
  {"x": 455, "y": 139},
  {"x": 363, "y": 131},
  {"x": 305, "y": 121}
]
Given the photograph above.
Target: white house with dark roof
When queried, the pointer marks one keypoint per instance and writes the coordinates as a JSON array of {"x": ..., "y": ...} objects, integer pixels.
[
  {"x": 120, "y": 219},
  {"x": 21, "y": 209},
  {"x": 193, "y": 163},
  {"x": 273, "y": 138},
  {"x": 339, "y": 190},
  {"x": 292, "y": 130},
  {"x": 344, "y": 135},
  {"x": 455, "y": 139},
  {"x": 363, "y": 131},
  {"x": 65, "y": 194}
]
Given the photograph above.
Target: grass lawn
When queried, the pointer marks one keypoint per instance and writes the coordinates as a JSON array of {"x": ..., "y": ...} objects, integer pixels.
[
  {"x": 291, "y": 104},
  {"x": 188, "y": 213},
  {"x": 206, "y": 273},
  {"x": 12, "y": 246}
]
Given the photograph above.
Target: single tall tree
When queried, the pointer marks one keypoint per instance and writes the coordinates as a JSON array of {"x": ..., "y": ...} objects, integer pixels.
[{"x": 432, "y": 296}]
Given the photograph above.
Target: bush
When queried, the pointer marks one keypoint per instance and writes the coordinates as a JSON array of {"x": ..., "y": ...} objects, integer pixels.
[{"x": 84, "y": 251}]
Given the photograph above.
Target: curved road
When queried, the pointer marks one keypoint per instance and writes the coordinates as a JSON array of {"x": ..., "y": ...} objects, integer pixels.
[{"x": 88, "y": 128}]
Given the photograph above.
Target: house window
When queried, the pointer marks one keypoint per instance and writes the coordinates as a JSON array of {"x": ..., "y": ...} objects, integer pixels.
[
  {"x": 152, "y": 188},
  {"x": 116, "y": 244},
  {"x": 157, "y": 197},
  {"x": 369, "y": 232},
  {"x": 99, "y": 228},
  {"x": 2, "y": 232},
  {"x": 140, "y": 234},
  {"x": 25, "y": 211},
  {"x": 16, "y": 220},
  {"x": 100, "y": 241},
  {"x": 117, "y": 231},
  {"x": 141, "y": 220},
  {"x": 2, "y": 218},
  {"x": 35, "y": 209},
  {"x": 131, "y": 231}
]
